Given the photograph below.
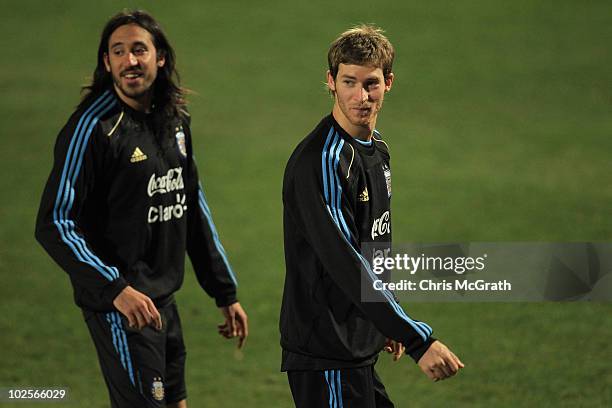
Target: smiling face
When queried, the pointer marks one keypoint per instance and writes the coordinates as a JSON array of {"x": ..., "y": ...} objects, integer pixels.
[
  {"x": 133, "y": 62},
  {"x": 359, "y": 92}
]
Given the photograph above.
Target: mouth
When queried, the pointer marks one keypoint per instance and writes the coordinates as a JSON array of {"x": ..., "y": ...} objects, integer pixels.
[
  {"x": 362, "y": 111},
  {"x": 131, "y": 75}
]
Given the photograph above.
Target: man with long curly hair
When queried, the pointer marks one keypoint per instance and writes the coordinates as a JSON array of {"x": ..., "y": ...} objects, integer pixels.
[{"x": 121, "y": 207}]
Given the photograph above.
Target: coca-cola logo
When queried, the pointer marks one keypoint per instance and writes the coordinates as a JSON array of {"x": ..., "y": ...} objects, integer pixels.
[
  {"x": 171, "y": 181},
  {"x": 381, "y": 226}
]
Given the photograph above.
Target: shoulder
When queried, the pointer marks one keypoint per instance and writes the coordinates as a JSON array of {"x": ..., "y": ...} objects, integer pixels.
[
  {"x": 323, "y": 151},
  {"x": 98, "y": 107},
  {"x": 97, "y": 114},
  {"x": 380, "y": 144},
  {"x": 184, "y": 116}
]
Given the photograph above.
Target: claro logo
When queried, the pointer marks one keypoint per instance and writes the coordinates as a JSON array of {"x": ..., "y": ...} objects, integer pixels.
[{"x": 381, "y": 226}]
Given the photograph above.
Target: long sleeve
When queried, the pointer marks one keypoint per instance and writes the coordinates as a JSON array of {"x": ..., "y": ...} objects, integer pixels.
[
  {"x": 323, "y": 213},
  {"x": 204, "y": 247},
  {"x": 58, "y": 225}
]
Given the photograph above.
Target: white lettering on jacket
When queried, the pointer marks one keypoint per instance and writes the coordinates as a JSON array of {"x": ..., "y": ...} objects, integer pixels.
[
  {"x": 381, "y": 226},
  {"x": 160, "y": 213},
  {"x": 169, "y": 182}
]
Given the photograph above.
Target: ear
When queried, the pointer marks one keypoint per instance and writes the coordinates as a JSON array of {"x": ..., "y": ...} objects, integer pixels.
[
  {"x": 161, "y": 61},
  {"x": 331, "y": 83},
  {"x": 389, "y": 81},
  {"x": 106, "y": 62}
]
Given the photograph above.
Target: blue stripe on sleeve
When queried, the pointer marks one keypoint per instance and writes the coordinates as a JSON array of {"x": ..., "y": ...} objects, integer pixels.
[
  {"x": 207, "y": 214},
  {"x": 324, "y": 166},
  {"x": 331, "y": 156},
  {"x": 64, "y": 226},
  {"x": 66, "y": 192},
  {"x": 338, "y": 192},
  {"x": 330, "y": 176}
]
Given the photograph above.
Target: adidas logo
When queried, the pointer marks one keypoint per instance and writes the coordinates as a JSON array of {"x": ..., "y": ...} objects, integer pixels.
[
  {"x": 363, "y": 197},
  {"x": 138, "y": 156}
]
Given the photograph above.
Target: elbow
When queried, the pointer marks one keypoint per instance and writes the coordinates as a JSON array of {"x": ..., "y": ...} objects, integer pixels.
[
  {"x": 38, "y": 234},
  {"x": 41, "y": 232}
]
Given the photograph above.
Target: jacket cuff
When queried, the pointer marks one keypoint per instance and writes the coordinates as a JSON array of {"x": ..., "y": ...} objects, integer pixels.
[
  {"x": 226, "y": 300},
  {"x": 112, "y": 290},
  {"x": 417, "y": 352}
]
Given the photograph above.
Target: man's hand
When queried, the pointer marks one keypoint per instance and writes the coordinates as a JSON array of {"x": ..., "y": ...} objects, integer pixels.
[
  {"x": 236, "y": 323},
  {"x": 395, "y": 348},
  {"x": 138, "y": 308},
  {"x": 439, "y": 362}
]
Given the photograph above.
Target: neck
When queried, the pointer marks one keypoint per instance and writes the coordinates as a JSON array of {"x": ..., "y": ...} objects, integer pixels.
[
  {"x": 141, "y": 104},
  {"x": 358, "y": 132}
]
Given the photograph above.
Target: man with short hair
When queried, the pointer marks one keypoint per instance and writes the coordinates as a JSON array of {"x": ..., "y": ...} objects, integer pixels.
[
  {"x": 336, "y": 195},
  {"x": 122, "y": 205}
]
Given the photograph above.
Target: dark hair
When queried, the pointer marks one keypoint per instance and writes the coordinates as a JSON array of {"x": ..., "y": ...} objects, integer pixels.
[
  {"x": 168, "y": 96},
  {"x": 361, "y": 45}
]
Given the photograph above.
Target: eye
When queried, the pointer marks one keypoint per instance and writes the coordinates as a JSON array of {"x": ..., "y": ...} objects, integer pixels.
[
  {"x": 372, "y": 85},
  {"x": 117, "y": 52},
  {"x": 140, "y": 51},
  {"x": 348, "y": 82}
]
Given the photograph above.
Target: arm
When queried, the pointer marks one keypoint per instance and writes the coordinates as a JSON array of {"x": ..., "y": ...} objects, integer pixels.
[
  {"x": 316, "y": 202},
  {"x": 209, "y": 258},
  {"x": 78, "y": 148},
  {"x": 78, "y": 156},
  {"x": 326, "y": 219}
]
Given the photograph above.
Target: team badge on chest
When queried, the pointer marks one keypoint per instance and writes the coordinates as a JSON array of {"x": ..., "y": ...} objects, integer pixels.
[
  {"x": 387, "y": 172},
  {"x": 180, "y": 141}
]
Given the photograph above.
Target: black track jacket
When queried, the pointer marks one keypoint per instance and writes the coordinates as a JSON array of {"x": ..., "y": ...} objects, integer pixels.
[
  {"x": 336, "y": 196},
  {"x": 123, "y": 203}
]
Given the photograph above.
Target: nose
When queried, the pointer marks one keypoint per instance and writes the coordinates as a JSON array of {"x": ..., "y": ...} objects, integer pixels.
[
  {"x": 363, "y": 94},
  {"x": 132, "y": 60}
]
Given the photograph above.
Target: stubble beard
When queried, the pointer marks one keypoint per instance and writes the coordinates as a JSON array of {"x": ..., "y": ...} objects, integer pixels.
[
  {"x": 133, "y": 93},
  {"x": 362, "y": 121},
  {"x": 138, "y": 94}
]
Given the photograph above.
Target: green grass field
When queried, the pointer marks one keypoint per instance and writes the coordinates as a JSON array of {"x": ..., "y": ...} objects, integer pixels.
[{"x": 499, "y": 125}]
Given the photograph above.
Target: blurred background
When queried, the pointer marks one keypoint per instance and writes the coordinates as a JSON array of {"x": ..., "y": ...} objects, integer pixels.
[{"x": 499, "y": 125}]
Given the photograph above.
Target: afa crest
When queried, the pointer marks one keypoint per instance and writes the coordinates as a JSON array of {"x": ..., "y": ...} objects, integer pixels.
[
  {"x": 180, "y": 141},
  {"x": 157, "y": 389},
  {"x": 387, "y": 172}
]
